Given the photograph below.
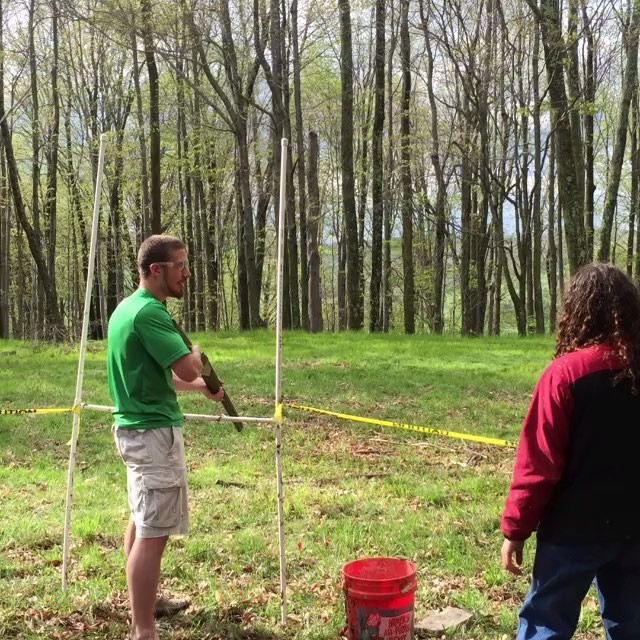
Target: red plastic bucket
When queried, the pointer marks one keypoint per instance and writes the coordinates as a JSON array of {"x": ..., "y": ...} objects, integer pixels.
[{"x": 379, "y": 598}]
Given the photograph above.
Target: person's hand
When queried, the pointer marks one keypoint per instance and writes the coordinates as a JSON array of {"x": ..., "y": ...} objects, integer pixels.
[
  {"x": 212, "y": 396},
  {"x": 511, "y": 548},
  {"x": 196, "y": 349}
]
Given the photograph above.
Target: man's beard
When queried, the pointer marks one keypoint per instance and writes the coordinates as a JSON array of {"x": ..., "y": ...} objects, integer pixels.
[
  {"x": 179, "y": 293},
  {"x": 177, "y": 290}
]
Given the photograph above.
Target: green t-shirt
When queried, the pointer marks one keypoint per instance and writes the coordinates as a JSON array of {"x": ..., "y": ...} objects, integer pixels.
[{"x": 142, "y": 346}]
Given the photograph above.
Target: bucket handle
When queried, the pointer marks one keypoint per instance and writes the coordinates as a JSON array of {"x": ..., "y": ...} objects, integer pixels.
[{"x": 408, "y": 585}]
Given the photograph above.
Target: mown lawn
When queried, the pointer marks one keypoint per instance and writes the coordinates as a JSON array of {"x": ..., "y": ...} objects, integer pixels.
[{"x": 350, "y": 489}]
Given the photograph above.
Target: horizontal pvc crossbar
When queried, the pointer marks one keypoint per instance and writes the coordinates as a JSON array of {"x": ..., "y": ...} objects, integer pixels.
[{"x": 193, "y": 416}]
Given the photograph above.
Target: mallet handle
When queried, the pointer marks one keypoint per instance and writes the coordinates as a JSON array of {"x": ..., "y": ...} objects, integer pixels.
[{"x": 211, "y": 379}]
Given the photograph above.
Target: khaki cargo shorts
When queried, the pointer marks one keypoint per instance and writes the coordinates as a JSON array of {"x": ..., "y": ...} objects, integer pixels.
[{"x": 156, "y": 479}]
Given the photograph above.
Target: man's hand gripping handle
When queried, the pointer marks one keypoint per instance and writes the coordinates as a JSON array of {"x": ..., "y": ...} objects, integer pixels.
[{"x": 211, "y": 379}]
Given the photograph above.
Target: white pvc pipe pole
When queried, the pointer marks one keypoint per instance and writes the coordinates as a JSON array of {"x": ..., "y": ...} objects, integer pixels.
[
  {"x": 83, "y": 352},
  {"x": 283, "y": 200}
]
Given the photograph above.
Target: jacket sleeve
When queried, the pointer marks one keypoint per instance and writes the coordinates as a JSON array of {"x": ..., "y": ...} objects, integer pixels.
[{"x": 541, "y": 453}]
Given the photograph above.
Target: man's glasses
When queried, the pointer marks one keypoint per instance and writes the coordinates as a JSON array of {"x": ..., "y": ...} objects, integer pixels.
[{"x": 179, "y": 264}]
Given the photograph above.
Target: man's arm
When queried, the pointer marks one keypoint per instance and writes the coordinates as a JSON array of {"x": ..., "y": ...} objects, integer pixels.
[
  {"x": 199, "y": 386},
  {"x": 188, "y": 368},
  {"x": 211, "y": 380}
]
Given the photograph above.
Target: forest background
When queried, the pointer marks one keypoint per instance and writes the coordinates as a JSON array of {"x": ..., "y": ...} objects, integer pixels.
[{"x": 451, "y": 162}]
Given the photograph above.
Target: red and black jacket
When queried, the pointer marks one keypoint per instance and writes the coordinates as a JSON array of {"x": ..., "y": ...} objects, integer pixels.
[{"x": 577, "y": 472}]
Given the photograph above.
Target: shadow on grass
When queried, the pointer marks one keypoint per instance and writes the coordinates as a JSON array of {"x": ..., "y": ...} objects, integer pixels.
[{"x": 225, "y": 624}]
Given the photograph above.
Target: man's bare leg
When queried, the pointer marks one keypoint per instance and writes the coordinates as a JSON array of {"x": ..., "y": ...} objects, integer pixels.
[
  {"x": 129, "y": 538},
  {"x": 144, "y": 557},
  {"x": 164, "y": 606}
]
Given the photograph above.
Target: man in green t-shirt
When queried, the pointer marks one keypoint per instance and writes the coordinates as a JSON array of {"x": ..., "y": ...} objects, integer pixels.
[{"x": 147, "y": 361}]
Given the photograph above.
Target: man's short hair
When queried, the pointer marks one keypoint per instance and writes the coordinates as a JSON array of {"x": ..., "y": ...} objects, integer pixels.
[{"x": 157, "y": 248}]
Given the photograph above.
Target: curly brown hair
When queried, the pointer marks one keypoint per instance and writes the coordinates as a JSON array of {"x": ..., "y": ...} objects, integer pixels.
[{"x": 602, "y": 305}]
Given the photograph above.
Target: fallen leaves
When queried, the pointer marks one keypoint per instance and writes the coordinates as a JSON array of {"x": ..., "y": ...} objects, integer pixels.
[{"x": 45, "y": 622}]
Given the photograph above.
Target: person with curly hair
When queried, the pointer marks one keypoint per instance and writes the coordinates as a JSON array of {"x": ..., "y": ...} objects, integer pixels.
[{"x": 576, "y": 479}]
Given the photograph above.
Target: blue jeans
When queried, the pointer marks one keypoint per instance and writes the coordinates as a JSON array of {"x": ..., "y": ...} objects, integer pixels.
[{"x": 562, "y": 575}]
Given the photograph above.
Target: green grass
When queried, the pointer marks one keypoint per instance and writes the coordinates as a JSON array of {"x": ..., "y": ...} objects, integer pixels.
[{"x": 350, "y": 489}]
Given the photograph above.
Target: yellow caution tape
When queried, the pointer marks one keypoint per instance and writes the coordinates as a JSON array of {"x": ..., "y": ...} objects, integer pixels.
[
  {"x": 278, "y": 417},
  {"x": 31, "y": 412},
  {"x": 406, "y": 427},
  {"x": 23, "y": 412}
]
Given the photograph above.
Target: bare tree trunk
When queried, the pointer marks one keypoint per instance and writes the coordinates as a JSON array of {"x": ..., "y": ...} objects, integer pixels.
[
  {"x": 18, "y": 319},
  {"x": 576, "y": 96},
  {"x": 244, "y": 313},
  {"x": 363, "y": 188},
  {"x": 75, "y": 308},
  {"x": 498, "y": 188},
  {"x": 493, "y": 261},
  {"x": 72, "y": 181},
  {"x": 154, "y": 117},
  {"x": 282, "y": 113},
  {"x": 617, "y": 159},
  {"x": 387, "y": 289},
  {"x": 523, "y": 213},
  {"x": 589, "y": 98},
  {"x": 510, "y": 264},
  {"x": 438, "y": 271},
  {"x": 314, "y": 311},
  {"x": 273, "y": 72},
  {"x": 37, "y": 320},
  {"x": 405, "y": 171},
  {"x": 342, "y": 280},
  {"x": 98, "y": 325},
  {"x": 223, "y": 225},
  {"x": 199, "y": 230},
  {"x": 128, "y": 257},
  {"x": 537, "y": 190},
  {"x": 55, "y": 327},
  {"x": 552, "y": 268},
  {"x": 377, "y": 161},
  {"x": 302, "y": 206},
  {"x": 292, "y": 234},
  {"x": 481, "y": 236},
  {"x": 50, "y": 209},
  {"x": 253, "y": 286},
  {"x": 523, "y": 304},
  {"x": 5, "y": 245},
  {"x": 466, "y": 231},
  {"x": 210, "y": 241},
  {"x": 199, "y": 203},
  {"x": 185, "y": 189},
  {"x": 114, "y": 240},
  {"x": 635, "y": 182},
  {"x": 354, "y": 311},
  {"x": 560, "y": 248},
  {"x": 498, "y": 292},
  {"x": 265, "y": 185},
  {"x": 142, "y": 143},
  {"x": 569, "y": 175},
  {"x": 237, "y": 119}
]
